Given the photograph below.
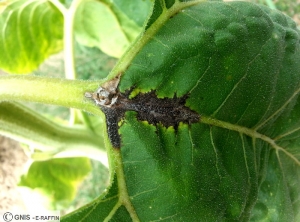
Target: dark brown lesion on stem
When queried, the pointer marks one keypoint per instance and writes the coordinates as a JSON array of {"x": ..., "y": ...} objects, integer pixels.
[{"x": 165, "y": 111}]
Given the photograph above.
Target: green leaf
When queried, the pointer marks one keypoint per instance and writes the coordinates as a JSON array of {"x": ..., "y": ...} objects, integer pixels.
[
  {"x": 104, "y": 25},
  {"x": 102, "y": 207},
  {"x": 279, "y": 193},
  {"x": 135, "y": 10},
  {"x": 238, "y": 63},
  {"x": 57, "y": 178},
  {"x": 30, "y": 32}
]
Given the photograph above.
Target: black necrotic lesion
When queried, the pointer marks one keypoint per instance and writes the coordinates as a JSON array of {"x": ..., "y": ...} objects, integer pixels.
[
  {"x": 165, "y": 111},
  {"x": 112, "y": 119}
]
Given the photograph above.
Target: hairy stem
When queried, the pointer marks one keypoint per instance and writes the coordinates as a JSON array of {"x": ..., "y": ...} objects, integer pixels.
[
  {"x": 62, "y": 92},
  {"x": 69, "y": 51},
  {"x": 37, "y": 130},
  {"x": 27, "y": 126}
]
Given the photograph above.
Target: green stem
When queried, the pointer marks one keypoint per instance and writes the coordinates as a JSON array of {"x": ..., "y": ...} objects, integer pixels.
[
  {"x": 69, "y": 58},
  {"x": 27, "y": 126},
  {"x": 62, "y": 92},
  {"x": 69, "y": 52},
  {"x": 69, "y": 19},
  {"x": 124, "y": 197},
  {"x": 271, "y": 4}
]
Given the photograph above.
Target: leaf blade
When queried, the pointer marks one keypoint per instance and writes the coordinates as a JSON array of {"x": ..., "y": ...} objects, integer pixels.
[
  {"x": 30, "y": 32},
  {"x": 58, "y": 178},
  {"x": 246, "y": 92}
]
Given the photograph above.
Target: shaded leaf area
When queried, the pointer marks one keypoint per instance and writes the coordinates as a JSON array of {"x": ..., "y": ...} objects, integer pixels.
[
  {"x": 105, "y": 207},
  {"x": 30, "y": 32},
  {"x": 279, "y": 195},
  {"x": 239, "y": 63},
  {"x": 198, "y": 172},
  {"x": 278, "y": 198},
  {"x": 109, "y": 26},
  {"x": 57, "y": 178}
]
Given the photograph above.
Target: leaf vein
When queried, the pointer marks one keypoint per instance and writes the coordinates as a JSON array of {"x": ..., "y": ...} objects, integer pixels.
[
  {"x": 113, "y": 211},
  {"x": 236, "y": 85},
  {"x": 216, "y": 152},
  {"x": 203, "y": 74},
  {"x": 287, "y": 133},
  {"x": 192, "y": 148},
  {"x": 19, "y": 27},
  {"x": 245, "y": 158},
  {"x": 249, "y": 132},
  {"x": 279, "y": 110}
]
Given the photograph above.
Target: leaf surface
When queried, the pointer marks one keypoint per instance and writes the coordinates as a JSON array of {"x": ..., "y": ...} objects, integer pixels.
[
  {"x": 57, "y": 178},
  {"x": 110, "y": 27},
  {"x": 106, "y": 207},
  {"x": 238, "y": 64},
  {"x": 30, "y": 32}
]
